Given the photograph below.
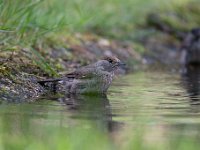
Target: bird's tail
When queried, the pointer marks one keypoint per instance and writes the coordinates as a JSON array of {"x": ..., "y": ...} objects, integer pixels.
[
  {"x": 50, "y": 84},
  {"x": 43, "y": 82}
]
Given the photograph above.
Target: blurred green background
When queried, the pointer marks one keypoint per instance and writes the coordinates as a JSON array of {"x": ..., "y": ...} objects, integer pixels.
[{"x": 31, "y": 19}]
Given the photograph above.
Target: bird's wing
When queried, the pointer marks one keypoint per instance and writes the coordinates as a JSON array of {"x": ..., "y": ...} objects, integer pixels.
[
  {"x": 86, "y": 72},
  {"x": 82, "y": 73}
]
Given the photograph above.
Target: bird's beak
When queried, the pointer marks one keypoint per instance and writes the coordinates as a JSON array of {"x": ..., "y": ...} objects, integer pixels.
[{"x": 119, "y": 64}]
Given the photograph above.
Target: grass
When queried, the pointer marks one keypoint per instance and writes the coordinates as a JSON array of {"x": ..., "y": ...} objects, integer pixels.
[{"x": 35, "y": 18}]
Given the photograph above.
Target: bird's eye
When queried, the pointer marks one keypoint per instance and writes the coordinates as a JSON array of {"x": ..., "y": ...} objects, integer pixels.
[{"x": 110, "y": 61}]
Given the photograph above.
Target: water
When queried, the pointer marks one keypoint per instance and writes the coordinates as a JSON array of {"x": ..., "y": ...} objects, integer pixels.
[{"x": 143, "y": 110}]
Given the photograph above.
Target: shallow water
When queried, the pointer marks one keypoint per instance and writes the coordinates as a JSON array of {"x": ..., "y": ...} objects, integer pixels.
[{"x": 143, "y": 110}]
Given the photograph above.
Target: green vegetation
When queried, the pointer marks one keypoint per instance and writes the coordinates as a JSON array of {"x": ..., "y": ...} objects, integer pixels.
[
  {"x": 32, "y": 19},
  {"x": 182, "y": 17}
]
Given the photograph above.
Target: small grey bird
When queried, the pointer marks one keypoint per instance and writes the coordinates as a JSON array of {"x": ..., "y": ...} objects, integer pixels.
[{"x": 94, "y": 78}]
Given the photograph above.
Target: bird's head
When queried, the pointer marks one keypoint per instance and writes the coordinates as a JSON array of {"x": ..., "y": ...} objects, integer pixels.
[{"x": 111, "y": 63}]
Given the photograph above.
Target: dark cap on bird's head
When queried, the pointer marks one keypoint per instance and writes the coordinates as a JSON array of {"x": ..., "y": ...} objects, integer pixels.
[{"x": 114, "y": 61}]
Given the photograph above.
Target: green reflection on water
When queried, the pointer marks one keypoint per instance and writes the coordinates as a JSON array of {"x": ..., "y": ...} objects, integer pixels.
[
  {"x": 28, "y": 126},
  {"x": 145, "y": 110}
]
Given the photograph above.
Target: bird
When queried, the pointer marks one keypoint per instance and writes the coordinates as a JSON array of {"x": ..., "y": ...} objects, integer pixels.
[{"x": 93, "y": 78}]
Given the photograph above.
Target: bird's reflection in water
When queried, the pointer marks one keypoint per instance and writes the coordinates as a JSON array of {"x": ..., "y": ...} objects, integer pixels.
[
  {"x": 95, "y": 108},
  {"x": 191, "y": 82}
]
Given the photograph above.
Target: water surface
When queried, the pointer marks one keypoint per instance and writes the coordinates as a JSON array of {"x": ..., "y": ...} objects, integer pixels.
[{"x": 143, "y": 110}]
